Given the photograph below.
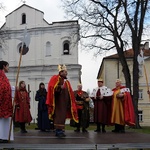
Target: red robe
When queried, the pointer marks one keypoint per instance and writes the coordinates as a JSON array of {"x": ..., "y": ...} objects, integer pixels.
[
  {"x": 129, "y": 110},
  {"x": 101, "y": 108},
  {"x": 6, "y": 108},
  {"x": 50, "y": 101},
  {"x": 122, "y": 110},
  {"x": 22, "y": 113}
]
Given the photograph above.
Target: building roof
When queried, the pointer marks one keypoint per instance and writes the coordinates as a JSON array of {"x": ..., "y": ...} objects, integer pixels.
[
  {"x": 128, "y": 54},
  {"x": 26, "y": 6},
  {"x": 56, "y": 22}
]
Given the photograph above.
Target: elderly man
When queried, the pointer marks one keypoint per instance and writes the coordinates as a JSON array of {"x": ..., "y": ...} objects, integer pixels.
[
  {"x": 122, "y": 108},
  {"x": 61, "y": 101},
  {"x": 82, "y": 101}
]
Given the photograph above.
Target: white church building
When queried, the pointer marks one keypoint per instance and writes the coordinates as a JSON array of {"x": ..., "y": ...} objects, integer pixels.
[{"x": 50, "y": 45}]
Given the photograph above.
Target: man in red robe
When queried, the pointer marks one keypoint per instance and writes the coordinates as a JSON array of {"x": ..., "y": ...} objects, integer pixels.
[
  {"x": 61, "y": 101},
  {"x": 122, "y": 108},
  {"x": 6, "y": 108},
  {"x": 101, "y": 106}
]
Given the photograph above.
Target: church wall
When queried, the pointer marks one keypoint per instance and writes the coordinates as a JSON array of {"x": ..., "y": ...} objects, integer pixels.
[
  {"x": 36, "y": 67},
  {"x": 34, "y": 19}
]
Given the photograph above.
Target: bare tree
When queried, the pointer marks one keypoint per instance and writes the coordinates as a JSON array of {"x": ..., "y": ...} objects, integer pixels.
[
  {"x": 3, "y": 33},
  {"x": 112, "y": 24},
  {"x": 3, "y": 42},
  {"x": 135, "y": 21}
]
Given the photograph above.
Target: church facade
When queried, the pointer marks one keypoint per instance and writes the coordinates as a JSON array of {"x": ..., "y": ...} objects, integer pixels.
[{"x": 50, "y": 45}]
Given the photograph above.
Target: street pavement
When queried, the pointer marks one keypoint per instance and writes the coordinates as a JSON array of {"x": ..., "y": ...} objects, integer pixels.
[{"x": 37, "y": 140}]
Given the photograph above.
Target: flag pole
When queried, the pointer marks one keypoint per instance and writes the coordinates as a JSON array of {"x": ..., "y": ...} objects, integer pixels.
[
  {"x": 146, "y": 80},
  {"x": 13, "y": 104},
  {"x": 140, "y": 59},
  {"x": 25, "y": 40}
]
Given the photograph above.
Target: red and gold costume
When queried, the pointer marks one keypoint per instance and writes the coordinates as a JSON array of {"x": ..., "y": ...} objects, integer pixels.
[
  {"x": 60, "y": 101},
  {"x": 122, "y": 108},
  {"x": 6, "y": 108},
  {"x": 82, "y": 101},
  {"x": 22, "y": 101}
]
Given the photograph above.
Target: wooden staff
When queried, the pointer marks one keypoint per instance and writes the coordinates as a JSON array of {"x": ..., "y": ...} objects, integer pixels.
[
  {"x": 29, "y": 90},
  {"x": 140, "y": 60},
  {"x": 146, "y": 79},
  {"x": 18, "y": 70}
]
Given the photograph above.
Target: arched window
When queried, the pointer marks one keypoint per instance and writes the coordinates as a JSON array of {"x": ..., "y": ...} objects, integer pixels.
[
  {"x": 66, "y": 48},
  {"x": 48, "y": 48},
  {"x": 23, "y": 18}
]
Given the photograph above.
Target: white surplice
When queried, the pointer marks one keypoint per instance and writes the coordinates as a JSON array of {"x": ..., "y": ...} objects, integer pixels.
[{"x": 4, "y": 129}]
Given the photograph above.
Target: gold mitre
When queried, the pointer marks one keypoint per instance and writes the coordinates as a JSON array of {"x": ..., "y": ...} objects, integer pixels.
[
  {"x": 62, "y": 67},
  {"x": 100, "y": 80}
]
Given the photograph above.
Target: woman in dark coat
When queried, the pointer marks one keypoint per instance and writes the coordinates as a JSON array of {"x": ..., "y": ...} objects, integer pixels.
[
  {"x": 43, "y": 120},
  {"x": 22, "y": 101}
]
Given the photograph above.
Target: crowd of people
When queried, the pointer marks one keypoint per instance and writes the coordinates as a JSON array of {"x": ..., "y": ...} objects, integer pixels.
[{"x": 111, "y": 107}]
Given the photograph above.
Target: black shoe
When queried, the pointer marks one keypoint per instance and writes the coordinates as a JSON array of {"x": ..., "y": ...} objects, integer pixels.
[
  {"x": 37, "y": 129},
  {"x": 84, "y": 131},
  {"x": 43, "y": 130},
  {"x": 23, "y": 131},
  {"x": 60, "y": 135},
  {"x": 77, "y": 130},
  {"x": 3, "y": 141},
  {"x": 115, "y": 131},
  {"x": 103, "y": 131},
  {"x": 97, "y": 130},
  {"x": 122, "y": 131}
]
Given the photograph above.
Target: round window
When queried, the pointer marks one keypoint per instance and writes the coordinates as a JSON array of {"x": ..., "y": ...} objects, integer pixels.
[{"x": 25, "y": 50}]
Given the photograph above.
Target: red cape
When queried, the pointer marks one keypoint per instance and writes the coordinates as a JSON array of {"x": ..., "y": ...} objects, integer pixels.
[
  {"x": 6, "y": 108},
  {"x": 129, "y": 110},
  {"x": 129, "y": 114},
  {"x": 50, "y": 101}
]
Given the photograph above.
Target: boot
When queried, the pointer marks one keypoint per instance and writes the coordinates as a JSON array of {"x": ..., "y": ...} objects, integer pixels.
[
  {"x": 116, "y": 130},
  {"x": 84, "y": 130},
  {"x": 98, "y": 128},
  {"x": 60, "y": 133},
  {"x": 122, "y": 129},
  {"x": 77, "y": 130},
  {"x": 22, "y": 127},
  {"x": 103, "y": 128}
]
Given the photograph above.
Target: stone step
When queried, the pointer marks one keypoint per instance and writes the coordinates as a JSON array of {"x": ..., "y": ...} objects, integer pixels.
[{"x": 127, "y": 146}]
